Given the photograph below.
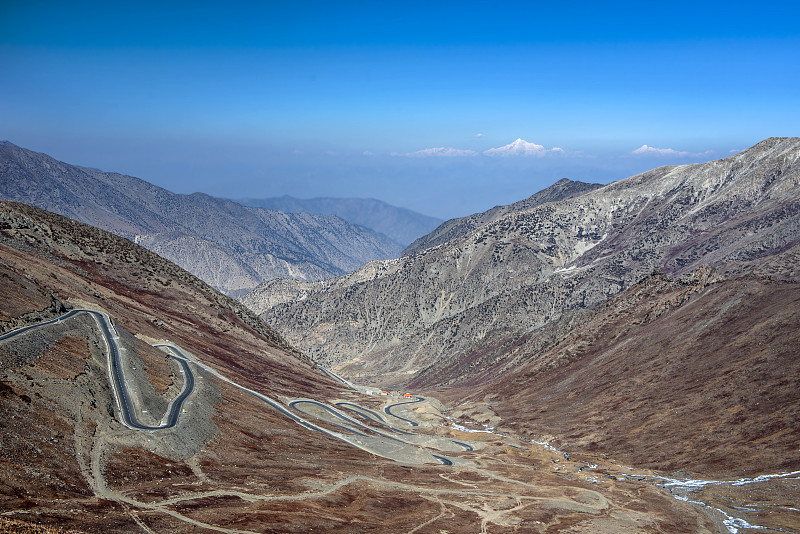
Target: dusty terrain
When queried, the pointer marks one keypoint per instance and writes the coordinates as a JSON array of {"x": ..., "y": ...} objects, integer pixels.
[
  {"x": 234, "y": 463},
  {"x": 696, "y": 377},
  {"x": 653, "y": 322}
]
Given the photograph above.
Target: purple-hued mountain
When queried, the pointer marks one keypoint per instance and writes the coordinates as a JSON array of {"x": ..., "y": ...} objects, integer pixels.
[{"x": 230, "y": 246}]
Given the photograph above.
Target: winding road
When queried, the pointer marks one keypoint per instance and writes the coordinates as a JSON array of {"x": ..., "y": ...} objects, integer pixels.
[
  {"x": 127, "y": 412},
  {"x": 128, "y": 417},
  {"x": 366, "y": 413},
  {"x": 388, "y": 410},
  {"x": 116, "y": 374},
  {"x": 22, "y": 330},
  {"x": 294, "y": 405},
  {"x": 338, "y": 378}
]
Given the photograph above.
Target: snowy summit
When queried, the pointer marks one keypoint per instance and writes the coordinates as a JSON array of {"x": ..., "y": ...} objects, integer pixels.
[{"x": 520, "y": 147}]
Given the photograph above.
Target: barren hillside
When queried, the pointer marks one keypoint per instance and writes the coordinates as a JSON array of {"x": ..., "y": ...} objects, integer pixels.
[
  {"x": 231, "y": 247},
  {"x": 264, "y": 441},
  {"x": 519, "y": 272}
]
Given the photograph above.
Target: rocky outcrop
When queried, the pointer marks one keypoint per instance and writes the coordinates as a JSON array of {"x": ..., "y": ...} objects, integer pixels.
[
  {"x": 518, "y": 272},
  {"x": 230, "y": 246},
  {"x": 455, "y": 228}
]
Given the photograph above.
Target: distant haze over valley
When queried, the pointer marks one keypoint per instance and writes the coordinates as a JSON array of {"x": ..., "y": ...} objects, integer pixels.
[
  {"x": 230, "y": 246},
  {"x": 400, "y": 224}
]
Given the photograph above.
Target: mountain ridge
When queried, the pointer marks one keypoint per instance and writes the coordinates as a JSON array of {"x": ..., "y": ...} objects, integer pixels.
[
  {"x": 453, "y": 228},
  {"x": 392, "y": 319},
  {"x": 232, "y": 246},
  {"x": 258, "y": 444},
  {"x": 399, "y": 224}
]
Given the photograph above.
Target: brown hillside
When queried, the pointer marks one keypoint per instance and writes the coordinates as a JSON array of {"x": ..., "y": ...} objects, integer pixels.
[
  {"x": 232, "y": 463},
  {"x": 698, "y": 374}
]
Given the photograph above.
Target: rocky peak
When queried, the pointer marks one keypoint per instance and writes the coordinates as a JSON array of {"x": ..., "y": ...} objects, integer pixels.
[{"x": 516, "y": 270}]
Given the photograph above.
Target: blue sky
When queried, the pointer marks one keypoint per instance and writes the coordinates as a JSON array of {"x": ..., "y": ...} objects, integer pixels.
[{"x": 348, "y": 98}]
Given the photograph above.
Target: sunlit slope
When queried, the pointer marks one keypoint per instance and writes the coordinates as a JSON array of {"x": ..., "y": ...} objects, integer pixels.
[{"x": 392, "y": 320}]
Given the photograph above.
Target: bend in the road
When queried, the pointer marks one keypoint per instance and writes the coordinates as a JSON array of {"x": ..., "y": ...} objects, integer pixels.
[
  {"x": 388, "y": 409},
  {"x": 369, "y": 414},
  {"x": 116, "y": 375},
  {"x": 294, "y": 405},
  {"x": 126, "y": 406}
]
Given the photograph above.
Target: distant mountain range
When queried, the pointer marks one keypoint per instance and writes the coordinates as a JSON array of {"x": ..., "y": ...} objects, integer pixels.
[
  {"x": 232, "y": 247},
  {"x": 653, "y": 320},
  {"x": 400, "y": 224},
  {"x": 507, "y": 273},
  {"x": 263, "y": 441},
  {"x": 617, "y": 358}
]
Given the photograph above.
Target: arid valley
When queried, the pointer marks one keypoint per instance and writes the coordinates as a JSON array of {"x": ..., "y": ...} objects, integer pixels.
[{"x": 605, "y": 359}]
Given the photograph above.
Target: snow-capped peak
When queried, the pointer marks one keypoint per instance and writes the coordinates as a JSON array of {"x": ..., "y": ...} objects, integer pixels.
[{"x": 520, "y": 147}]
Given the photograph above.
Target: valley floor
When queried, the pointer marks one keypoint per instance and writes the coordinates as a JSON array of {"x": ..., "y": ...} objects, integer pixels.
[
  {"x": 289, "y": 465},
  {"x": 414, "y": 467}
]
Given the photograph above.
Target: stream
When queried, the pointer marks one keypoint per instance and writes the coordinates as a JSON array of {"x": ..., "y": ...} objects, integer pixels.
[{"x": 682, "y": 489}]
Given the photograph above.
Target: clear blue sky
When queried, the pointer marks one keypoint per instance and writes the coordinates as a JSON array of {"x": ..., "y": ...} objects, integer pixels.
[{"x": 345, "y": 98}]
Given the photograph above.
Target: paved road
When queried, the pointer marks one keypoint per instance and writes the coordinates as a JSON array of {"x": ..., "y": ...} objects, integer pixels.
[
  {"x": 18, "y": 331},
  {"x": 337, "y": 377},
  {"x": 273, "y": 403},
  {"x": 342, "y": 416},
  {"x": 388, "y": 410},
  {"x": 369, "y": 414},
  {"x": 442, "y": 459},
  {"x": 118, "y": 384},
  {"x": 125, "y": 403},
  {"x": 294, "y": 405}
]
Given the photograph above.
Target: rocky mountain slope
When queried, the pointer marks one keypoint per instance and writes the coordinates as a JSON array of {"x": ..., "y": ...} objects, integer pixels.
[
  {"x": 513, "y": 275},
  {"x": 234, "y": 462},
  {"x": 232, "y": 247},
  {"x": 400, "y": 224},
  {"x": 691, "y": 374},
  {"x": 455, "y": 228},
  {"x": 707, "y": 363}
]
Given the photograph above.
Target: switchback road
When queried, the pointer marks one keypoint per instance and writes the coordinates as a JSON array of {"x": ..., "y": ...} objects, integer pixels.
[
  {"x": 388, "y": 410},
  {"x": 116, "y": 374},
  {"x": 127, "y": 412},
  {"x": 369, "y": 414}
]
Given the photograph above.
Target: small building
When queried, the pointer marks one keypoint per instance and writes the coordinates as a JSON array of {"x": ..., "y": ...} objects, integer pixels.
[
  {"x": 384, "y": 392},
  {"x": 407, "y": 395}
]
